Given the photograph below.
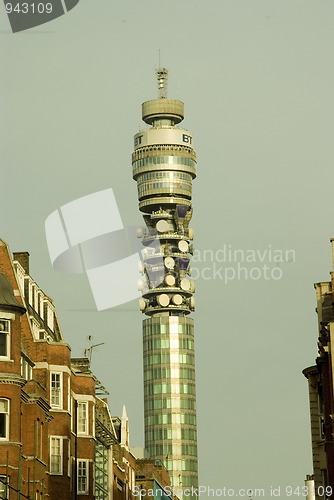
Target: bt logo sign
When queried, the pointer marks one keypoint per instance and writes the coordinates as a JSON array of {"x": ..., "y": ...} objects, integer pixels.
[
  {"x": 187, "y": 138},
  {"x": 138, "y": 140}
]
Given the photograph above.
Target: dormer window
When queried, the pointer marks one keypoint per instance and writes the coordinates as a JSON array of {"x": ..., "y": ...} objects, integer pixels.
[
  {"x": 26, "y": 367},
  {"x": 4, "y": 338}
]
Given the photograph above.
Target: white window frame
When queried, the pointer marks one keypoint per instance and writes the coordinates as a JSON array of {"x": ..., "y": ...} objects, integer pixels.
[
  {"x": 93, "y": 421},
  {"x": 69, "y": 458},
  {"x": 30, "y": 291},
  {"x": 86, "y": 490},
  {"x": 60, "y": 468},
  {"x": 49, "y": 316},
  {"x": 35, "y": 327},
  {"x": 26, "y": 369},
  {"x": 7, "y": 355},
  {"x": 6, "y": 437},
  {"x": 36, "y": 299},
  {"x": 69, "y": 394},
  {"x": 82, "y": 430},
  {"x": 120, "y": 484},
  {"x": 41, "y": 441},
  {"x": 41, "y": 305},
  {"x": 72, "y": 413},
  {"x": 133, "y": 479},
  {"x": 60, "y": 405}
]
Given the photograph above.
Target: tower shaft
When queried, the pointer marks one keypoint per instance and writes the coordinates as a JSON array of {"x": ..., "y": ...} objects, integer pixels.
[{"x": 164, "y": 165}]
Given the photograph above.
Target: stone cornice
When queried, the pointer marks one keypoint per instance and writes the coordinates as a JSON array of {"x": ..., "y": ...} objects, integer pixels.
[
  {"x": 12, "y": 378},
  {"x": 39, "y": 400},
  {"x": 310, "y": 370}
]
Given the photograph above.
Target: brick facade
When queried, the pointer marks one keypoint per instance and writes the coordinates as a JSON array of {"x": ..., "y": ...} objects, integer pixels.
[{"x": 57, "y": 438}]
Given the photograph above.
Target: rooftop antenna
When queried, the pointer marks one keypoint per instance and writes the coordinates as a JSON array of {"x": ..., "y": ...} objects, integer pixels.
[
  {"x": 162, "y": 76},
  {"x": 89, "y": 350}
]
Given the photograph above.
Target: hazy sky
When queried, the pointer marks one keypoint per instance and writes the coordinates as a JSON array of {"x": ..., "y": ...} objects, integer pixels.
[{"x": 256, "y": 78}]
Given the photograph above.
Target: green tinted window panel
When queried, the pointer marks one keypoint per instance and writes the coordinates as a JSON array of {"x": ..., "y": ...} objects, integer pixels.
[
  {"x": 163, "y": 175},
  {"x": 163, "y": 160}
]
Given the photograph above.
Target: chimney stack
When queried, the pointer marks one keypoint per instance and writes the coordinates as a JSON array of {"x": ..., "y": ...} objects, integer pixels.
[{"x": 23, "y": 259}]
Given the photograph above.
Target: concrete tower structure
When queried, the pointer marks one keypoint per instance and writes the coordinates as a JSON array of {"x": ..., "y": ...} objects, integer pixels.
[{"x": 164, "y": 165}]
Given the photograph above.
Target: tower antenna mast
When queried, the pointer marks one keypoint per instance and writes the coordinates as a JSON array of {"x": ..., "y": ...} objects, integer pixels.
[
  {"x": 88, "y": 352},
  {"x": 164, "y": 166},
  {"x": 162, "y": 77}
]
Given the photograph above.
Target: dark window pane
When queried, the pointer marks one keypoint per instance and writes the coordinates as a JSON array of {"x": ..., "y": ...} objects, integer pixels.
[
  {"x": 2, "y": 425},
  {"x": 3, "y": 344},
  {"x": 4, "y": 325}
]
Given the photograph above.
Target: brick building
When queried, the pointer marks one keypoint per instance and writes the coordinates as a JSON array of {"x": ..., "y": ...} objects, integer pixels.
[
  {"x": 321, "y": 392},
  {"x": 58, "y": 439}
]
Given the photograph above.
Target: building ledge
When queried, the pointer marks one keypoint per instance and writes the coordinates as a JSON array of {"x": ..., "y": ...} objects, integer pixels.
[
  {"x": 310, "y": 370},
  {"x": 12, "y": 378}
]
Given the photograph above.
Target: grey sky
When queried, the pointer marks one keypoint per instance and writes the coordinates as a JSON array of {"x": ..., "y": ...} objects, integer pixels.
[{"x": 256, "y": 78}]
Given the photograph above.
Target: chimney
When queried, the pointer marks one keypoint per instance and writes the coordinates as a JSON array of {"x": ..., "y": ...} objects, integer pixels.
[
  {"x": 82, "y": 365},
  {"x": 23, "y": 259}
]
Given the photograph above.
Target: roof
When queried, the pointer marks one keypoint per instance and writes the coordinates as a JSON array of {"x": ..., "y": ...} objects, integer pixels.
[{"x": 8, "y": 301}]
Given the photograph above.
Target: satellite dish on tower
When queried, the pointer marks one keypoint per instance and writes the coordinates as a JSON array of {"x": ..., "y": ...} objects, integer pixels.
[
  {"x": 169, "y": 262},
  {"x": 183, "y": 246},
  {"x": 177, "y": 299},
  {"x": 142, "y": 304},
  {"x": 185, "y": 284},
  {"x": 162, "y": 226},
  {"x": 163, "y": 300},
  {"x": 170, "y": 280}
]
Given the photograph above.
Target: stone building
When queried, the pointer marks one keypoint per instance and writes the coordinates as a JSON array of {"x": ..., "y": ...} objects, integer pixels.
[{"x": 321, "y": 392}]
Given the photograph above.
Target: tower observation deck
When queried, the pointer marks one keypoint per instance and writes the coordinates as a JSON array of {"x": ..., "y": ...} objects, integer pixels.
[{"x": 164, "y": 166}]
